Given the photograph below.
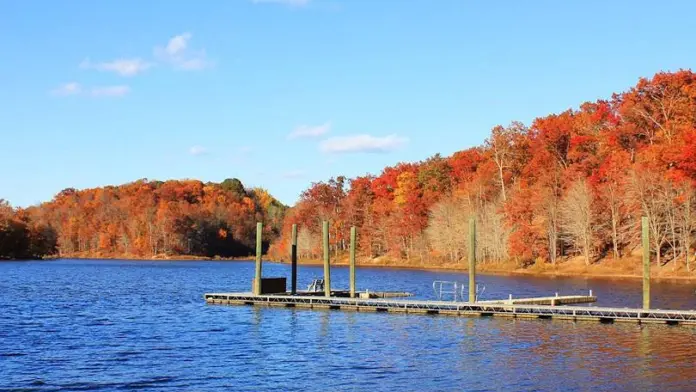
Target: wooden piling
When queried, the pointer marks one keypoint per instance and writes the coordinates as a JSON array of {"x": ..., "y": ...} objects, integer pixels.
[
  {"x": 472, "y": 260},
  {"x": 259, "y": 250},
  {"x": 646, "y": 262},
  {"x": 293, "y": 260},
  {"x": 352, "y": 261},
  {"x": 327, "y": 266}
]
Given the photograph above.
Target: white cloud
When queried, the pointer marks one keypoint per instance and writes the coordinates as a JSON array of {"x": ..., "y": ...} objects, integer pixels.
[
  {"x": 66, "y": 89},
  {"x": 179, "y": 54},
  {"x": 362, "y": 143},
  {"x": 98, "y": 91},
  {"x": 177, "y": 44},
  {"x": 123, "y": 67},
  {"x": 310, "y": 131},
  {"x": 292, "y": 3},
  {"x": 294, "y": 174},
  {"x": 109, "y": 91},
  {"x": 197, "y": 150}
]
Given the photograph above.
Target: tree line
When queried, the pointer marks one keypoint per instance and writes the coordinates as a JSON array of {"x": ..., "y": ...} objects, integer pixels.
[
  {"x": 21, "y": 238},
  {"x": 143, "y": 219},
  {"x": 572, "y": 184}
]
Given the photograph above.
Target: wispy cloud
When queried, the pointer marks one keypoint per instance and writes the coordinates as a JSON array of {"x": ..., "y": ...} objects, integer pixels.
[
  {"x": 362, "y": 143},
  {"x": 291, "y": 3},
  {"x": 97, "y": 91},
  {"x": 179, "y": 54},
  {"x": 110, "y": 91},
  {"x": 66, "y": 89},
  {"x": 198, "y": 150},
  {"x": 294, "y": 174},
  {"x": 123, "y": 67},
  {"x": 310, "y": 131},
  {"x": 176, "y": 53}
]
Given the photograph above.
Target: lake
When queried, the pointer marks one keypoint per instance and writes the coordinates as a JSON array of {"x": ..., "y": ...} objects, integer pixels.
[{"x": 70, "y": 325}]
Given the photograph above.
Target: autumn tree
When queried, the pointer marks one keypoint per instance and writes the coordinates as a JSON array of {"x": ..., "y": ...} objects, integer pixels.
[
  {"x": 505, "y": 144},
  {"x": 578, "y": 217},
  {"x": 612, "y": 183},
  {"x": 492, "y": 233},
  {"x": 647, "y": 192},
  {"x": 686, "y": 219},
  {"x": 448, "y": 228},
  {"x": 662, "y": 107}
]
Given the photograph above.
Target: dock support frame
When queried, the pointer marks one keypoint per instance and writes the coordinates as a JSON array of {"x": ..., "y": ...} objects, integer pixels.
[
  {"x": 293, "y": 261},
  {"x": 327, "y": 264},
  {"x": 259, "y": 250},
  {"x": 472, "y": 260},
  {"x": 646, "y": 261},
  {"x": 353, "y": 236}
]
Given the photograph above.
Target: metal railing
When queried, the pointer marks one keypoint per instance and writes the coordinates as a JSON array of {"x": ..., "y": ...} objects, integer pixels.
[{"x": 444, "y": 288}]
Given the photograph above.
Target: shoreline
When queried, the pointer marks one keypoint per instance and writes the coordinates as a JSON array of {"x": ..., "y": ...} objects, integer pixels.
[
  {"x": 565, "y": 270},
  {"x": 516, "y": 272}
]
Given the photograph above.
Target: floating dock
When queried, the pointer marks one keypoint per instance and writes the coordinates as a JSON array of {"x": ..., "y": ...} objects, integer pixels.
[
  {"x": 465, "y": 309},
  {"x": 267, "y": 291}
]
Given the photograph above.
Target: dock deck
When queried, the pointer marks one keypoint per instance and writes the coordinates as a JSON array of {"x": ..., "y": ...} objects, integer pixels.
[
  {"x": 359, "y": 294},
  {"x": 551, "y": 301},
  {"x": 483, "y": 309}
]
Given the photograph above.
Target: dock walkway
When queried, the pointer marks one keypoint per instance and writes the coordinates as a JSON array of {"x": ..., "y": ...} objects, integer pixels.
[
  {"x": 483, "y": 309},
  {"x": 555, "y": 300}
]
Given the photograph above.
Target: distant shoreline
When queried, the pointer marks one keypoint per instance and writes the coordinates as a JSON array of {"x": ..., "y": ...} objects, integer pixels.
[
  {"x": 530, "y": 272},
  {"x": 565, "y": 270}
]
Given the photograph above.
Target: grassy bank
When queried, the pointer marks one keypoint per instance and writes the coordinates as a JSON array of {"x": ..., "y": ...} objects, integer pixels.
[{"x": 626, "y": 268}]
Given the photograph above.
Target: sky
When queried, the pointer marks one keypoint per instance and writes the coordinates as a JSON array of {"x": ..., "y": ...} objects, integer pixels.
[{"x": 282, "y": 93}]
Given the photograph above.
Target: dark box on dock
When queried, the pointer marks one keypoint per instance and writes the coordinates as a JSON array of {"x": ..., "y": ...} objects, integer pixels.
[{"x": 272, "y": 285}]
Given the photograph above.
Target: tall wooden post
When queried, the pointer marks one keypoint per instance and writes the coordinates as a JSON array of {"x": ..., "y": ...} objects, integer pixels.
[
  {"x": 259, "y": 250},
  {"x": 472, "y": 260},
  {"x": 293, "y": 260},
  {"x": 646, "y": 262},
  {"x": 352, "y": 261},
  {"x": 327, "y": 266}
]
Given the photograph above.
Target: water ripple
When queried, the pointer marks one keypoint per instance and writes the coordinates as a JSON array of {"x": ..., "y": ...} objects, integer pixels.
[{"x": 116, "y": 325}]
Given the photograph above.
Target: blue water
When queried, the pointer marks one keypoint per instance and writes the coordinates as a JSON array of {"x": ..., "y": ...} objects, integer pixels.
[{"x": 72, "y": 325}]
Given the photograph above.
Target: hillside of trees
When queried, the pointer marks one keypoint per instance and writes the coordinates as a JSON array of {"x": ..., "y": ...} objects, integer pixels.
[
  {"x": 143, "y": 219},
  {"x": 21, "y": 238},
  {"x": 568, "y": 185}
]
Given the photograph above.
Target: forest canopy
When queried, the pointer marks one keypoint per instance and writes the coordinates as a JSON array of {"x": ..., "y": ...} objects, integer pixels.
[
  {"x": 571, "y": 184},
  {"x": 143, "y": 219}
]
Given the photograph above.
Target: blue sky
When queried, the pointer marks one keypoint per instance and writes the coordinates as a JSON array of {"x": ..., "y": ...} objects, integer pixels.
[{"x": 280, "y": 93}]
